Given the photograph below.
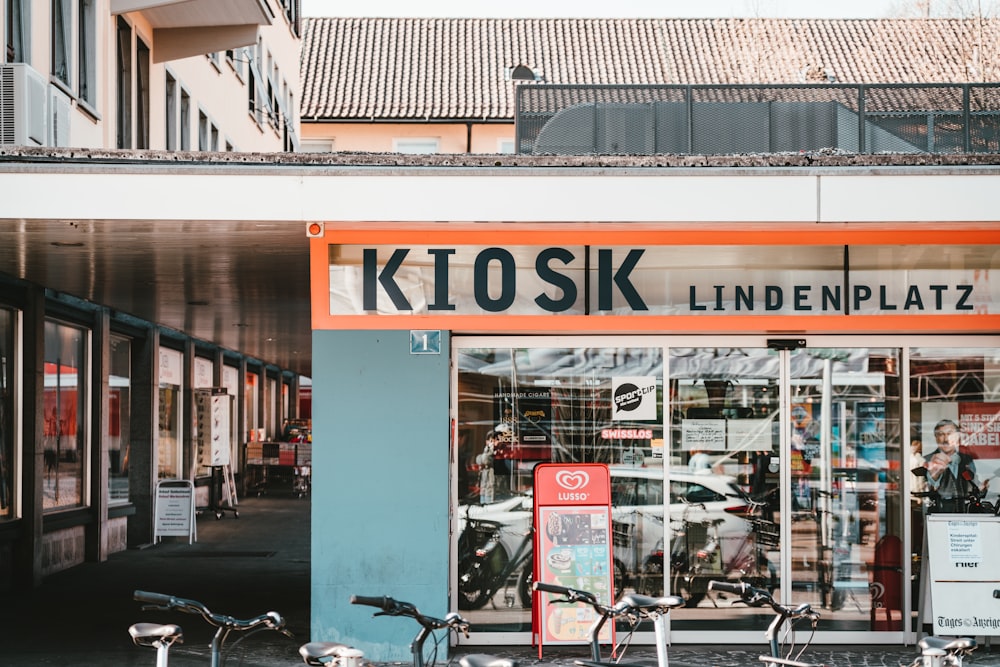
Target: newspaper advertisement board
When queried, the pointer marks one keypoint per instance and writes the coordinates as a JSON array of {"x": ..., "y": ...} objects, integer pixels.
[
  {"x": 964, "y": 573},
  {"x": 174, "y": 511}
]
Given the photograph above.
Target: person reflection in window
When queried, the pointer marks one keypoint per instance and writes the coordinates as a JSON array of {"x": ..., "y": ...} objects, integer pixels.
[{"x": 950, "y": 472}]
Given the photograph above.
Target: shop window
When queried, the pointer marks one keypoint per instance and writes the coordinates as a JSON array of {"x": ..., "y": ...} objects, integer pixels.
[
  {"x": 169, "y": 450},
  {"x": 119, "y": 424},
  {"x": 250, "y": 393},
  {"x": 8, "y": 446},
  {"x": 65, "y": 410}
]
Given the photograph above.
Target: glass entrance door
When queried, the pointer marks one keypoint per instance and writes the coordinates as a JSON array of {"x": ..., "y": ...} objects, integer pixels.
[
  {"x": 811, "y": 436},
  {"x": 764, "y": 461}
]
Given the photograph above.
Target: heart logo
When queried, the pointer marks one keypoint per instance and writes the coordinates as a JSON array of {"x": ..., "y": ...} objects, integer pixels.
[{"x": 572, "y": 480}]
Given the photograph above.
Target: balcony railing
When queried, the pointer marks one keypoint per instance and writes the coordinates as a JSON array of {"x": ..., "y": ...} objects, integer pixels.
[{"x": 722, "y": 120}]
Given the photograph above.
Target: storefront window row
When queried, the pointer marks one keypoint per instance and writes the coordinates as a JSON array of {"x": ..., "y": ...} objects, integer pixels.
[
  {"x": 66, "y": 428},
  {"x": 785, "y": 465}
]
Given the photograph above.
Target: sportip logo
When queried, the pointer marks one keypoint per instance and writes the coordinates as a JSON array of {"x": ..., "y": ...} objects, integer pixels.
[
  {"x": 571, "y": 480},
  {"x": 634, "y": 398}
]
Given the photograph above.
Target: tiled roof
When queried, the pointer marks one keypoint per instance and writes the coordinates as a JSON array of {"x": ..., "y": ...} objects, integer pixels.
[{"x": 400, "y": 68}]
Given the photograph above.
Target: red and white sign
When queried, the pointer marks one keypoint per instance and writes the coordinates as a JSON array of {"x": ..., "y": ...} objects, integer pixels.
[{"x": 573, "y": 547}]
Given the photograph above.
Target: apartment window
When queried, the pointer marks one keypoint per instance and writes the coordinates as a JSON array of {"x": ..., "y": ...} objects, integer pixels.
[
  {"x": 16, "y": 22},
  {"x": 62, "y": 24},
  {"x": 142, "y": 97},
  {"x": 415, "y": 145},
  {"x": 87, "y": 51},
  {"x": 133, "y": 66},
  {"x": 124, "y": 83},
  {"x": 203, "y": 132},
  {"x": 185, "y": 121},
  {"x": 254, "y": 97},
  {"x": 214, "y": 138},
  {"x": 272, "y": 92},
  {"x": 65, "y": 410},
  {"x": 8, "y": 411},
  {"x": 316, "y": 146},
  {"x": 172, "y": 112},
  {"x": 119, "y": 424}
]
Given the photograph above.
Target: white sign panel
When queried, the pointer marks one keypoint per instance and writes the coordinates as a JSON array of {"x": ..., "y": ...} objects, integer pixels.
[
  {"x": 174, "y": 509},
  {"x": 705, "y": 434},
  {"x": 962, "y": 580},
  {"x": 171, "y": 363},
  {"x": 749, "y": 435}
]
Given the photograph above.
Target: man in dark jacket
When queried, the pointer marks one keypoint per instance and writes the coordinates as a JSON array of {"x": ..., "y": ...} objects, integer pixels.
[{"x": 950, "y": 472}]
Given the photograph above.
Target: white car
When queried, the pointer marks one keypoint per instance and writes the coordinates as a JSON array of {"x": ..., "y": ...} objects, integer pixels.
[{"x": 711, "y": 501}]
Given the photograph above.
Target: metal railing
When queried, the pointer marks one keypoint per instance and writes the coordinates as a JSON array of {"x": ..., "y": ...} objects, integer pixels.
[{"x": 724, "y": 119}]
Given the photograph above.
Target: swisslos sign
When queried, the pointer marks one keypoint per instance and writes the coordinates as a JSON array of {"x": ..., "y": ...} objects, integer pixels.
[{"x": 557, "y": 280}]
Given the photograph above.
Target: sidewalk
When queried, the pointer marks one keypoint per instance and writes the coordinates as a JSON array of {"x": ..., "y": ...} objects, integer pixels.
[
  {"x": 257, "y": 563},
  {"x": 242, "y": 567}
]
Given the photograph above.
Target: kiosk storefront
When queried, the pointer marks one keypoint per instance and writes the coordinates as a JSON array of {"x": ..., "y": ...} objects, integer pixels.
[{"x": 800, "y": 366}]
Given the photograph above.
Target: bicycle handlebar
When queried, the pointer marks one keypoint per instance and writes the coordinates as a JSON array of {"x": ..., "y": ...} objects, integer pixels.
[
  {"x": 382, "y": 602},
  {"x": 726, "y": 587},
  {"x": 391, "y": 607},
  {"x": 272, "y": 619},
  {"x": 758, "y": 597},
  {"x": 571, "y": 594}
]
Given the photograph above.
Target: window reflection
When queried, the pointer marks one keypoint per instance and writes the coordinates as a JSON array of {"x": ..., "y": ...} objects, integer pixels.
[
  {"x": 7, "y": 424},
  {"x": 64, "y": 406}
]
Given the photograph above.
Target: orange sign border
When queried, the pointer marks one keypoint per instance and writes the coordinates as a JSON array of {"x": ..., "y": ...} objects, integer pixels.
[{"x": 647, "y": 234}]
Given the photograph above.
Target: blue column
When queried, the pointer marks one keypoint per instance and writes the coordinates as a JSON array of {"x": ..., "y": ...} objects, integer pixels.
[{"x": 380, "y": 486}]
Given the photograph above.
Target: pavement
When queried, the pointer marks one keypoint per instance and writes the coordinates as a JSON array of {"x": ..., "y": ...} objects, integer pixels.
[{"x": 81, "y": 616}]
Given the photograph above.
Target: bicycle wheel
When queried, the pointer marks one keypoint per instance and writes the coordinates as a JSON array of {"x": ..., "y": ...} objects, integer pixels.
[
  {"x": 690, "y": 588},
  {"x": 476, "y": 578},
  {"x": 651, "y": 579},
  {"x": 524, "y": 586}
]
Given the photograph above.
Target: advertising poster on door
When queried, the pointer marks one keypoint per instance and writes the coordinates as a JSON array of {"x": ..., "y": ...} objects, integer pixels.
[{"x": 573, "y": 515}]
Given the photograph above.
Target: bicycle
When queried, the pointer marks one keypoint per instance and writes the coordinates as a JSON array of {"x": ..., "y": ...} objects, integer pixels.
[
  {"x": 781, "y": 644},
  {"x": 162, "y": 636},
  {"x": 633, "y": 608},
  {"x": 315, "y": 653}
]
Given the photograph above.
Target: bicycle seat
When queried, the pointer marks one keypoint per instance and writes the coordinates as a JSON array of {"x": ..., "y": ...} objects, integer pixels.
[
  {"x": 947, "y": 643},
  {"x": 484, "y": 660},
  {"x": 648, "y": 603},
  {"x": 156, "y": 634},
  {"x": 314, "y": 652}
]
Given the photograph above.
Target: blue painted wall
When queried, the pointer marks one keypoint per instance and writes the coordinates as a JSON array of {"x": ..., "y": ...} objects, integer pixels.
[{"x": 380, "y": 486}]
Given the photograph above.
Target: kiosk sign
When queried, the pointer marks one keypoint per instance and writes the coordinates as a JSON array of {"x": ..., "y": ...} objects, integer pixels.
[{"x": 573, "y": 547}]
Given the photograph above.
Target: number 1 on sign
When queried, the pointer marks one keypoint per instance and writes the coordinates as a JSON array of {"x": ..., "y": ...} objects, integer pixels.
[{"x": 425, "y": 342}]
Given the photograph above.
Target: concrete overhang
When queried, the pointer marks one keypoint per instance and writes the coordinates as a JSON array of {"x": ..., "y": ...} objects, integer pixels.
[
  {"x": 185, "y": 28},
  {"x": 197, "y": 13}
]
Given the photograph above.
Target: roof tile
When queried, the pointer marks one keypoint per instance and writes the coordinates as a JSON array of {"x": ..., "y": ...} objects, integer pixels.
[{"x": 408, "y": 68}]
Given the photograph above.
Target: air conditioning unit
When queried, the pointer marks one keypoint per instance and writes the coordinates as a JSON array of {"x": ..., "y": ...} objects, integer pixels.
[{"x": 24, "y": 115}]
